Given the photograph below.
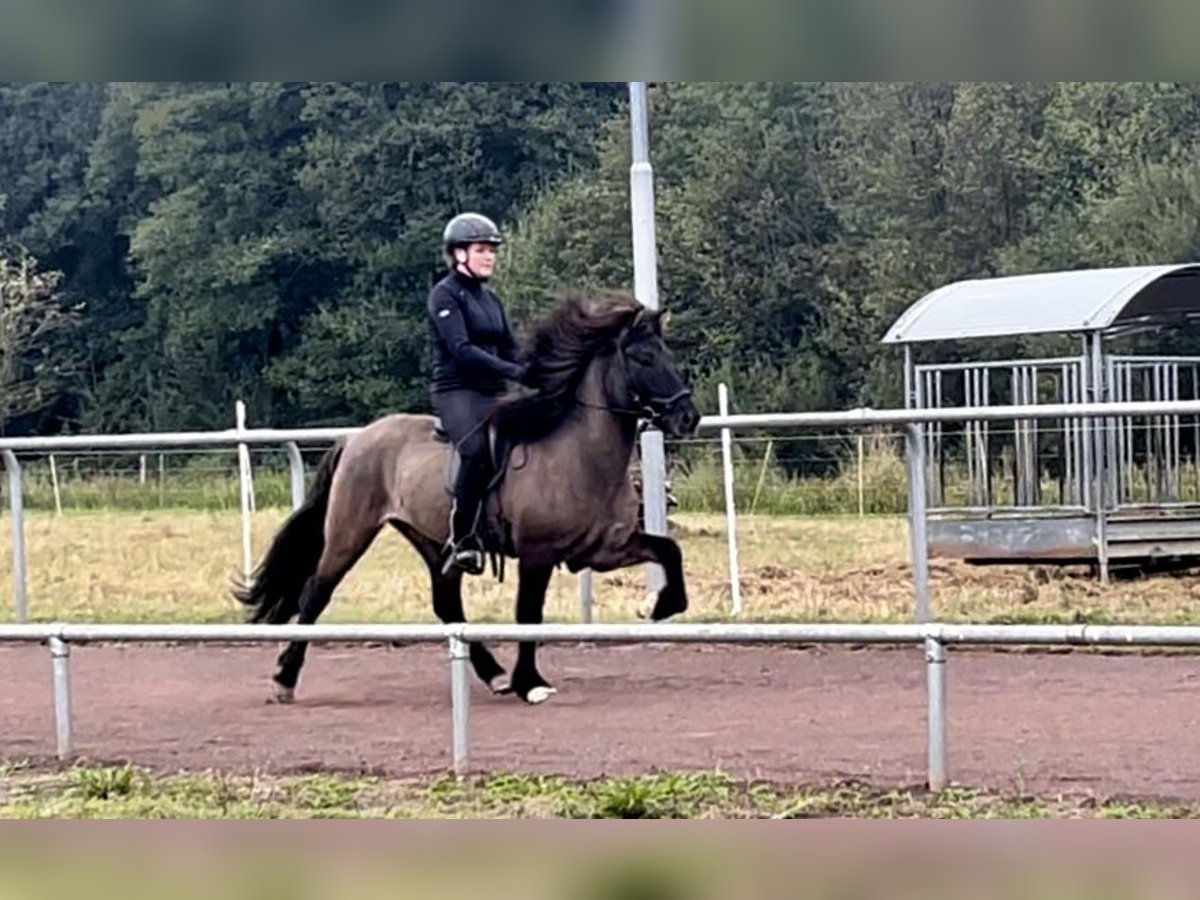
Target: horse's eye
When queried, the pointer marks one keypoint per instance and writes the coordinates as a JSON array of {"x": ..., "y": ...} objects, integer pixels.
[{"x": 641, "y": 356}]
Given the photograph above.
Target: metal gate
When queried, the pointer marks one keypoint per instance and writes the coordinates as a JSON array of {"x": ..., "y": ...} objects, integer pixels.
[
  {"x": 1069, "y": 489},
  {"x": 986, "y": 466},
  {"x": 1153, "y": 459}
]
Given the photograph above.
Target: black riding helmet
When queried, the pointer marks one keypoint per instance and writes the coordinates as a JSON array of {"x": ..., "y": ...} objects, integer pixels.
[{"x": 466, "y": 229}]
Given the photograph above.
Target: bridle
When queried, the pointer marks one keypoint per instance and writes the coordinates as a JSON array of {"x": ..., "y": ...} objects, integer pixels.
[{"x": 652, "y": 409}]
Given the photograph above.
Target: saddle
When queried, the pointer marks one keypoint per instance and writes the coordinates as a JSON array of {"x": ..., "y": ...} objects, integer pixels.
[{"x": 494, "y": 531}]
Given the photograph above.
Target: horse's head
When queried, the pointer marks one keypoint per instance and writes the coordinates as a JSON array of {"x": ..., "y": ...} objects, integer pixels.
[
  {"x": 626, "y": 340},
  {"x": 654, "y": 383}
]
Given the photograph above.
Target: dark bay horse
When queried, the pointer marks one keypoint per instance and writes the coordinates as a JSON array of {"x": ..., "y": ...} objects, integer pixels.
[{"x": 566, "y": 497}]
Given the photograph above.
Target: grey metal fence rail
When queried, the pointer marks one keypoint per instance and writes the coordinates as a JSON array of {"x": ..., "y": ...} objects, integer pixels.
[
  {"x": 934, "y": 637},
  {"x": 912, "y": 420}
]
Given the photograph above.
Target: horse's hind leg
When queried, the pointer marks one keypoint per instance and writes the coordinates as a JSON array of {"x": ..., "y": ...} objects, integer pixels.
[
  {"x": 448, "y": 606},
  {"x": 343, "y": 548}
]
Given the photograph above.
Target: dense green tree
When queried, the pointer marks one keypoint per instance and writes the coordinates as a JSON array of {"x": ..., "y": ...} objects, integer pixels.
[{"x": 275, "y": 241}]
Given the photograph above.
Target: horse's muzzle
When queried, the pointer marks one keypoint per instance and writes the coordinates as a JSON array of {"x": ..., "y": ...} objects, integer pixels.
[{"x": 682, "y": 419}]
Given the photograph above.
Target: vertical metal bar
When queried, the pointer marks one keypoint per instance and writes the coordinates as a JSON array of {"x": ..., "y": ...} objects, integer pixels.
[
  {"x": 1173, "y": 387},
  {"x": 1168, "y": 439},
  {"x": 1159, "y": 456},
  {"x": 16, "y": 508},
  {"x": 1111, "y": 429},
  {"x": 909, "y": 386},
  {"x": 1018, "y": 397},
  {"x": 981, "y": 449},
  {"x": 1023, "y": 456},
  {"x": 645, "y": 277},
  {"x": 969, "y": 380},
  {"x": 60, "y": 658},
  {"x": 1026, "y": 447},
  {"x": 1116, "y": 390},
  {"x": 981, "y": 460},
  {"x": 1019, "y": 437},
  {"x": 1151, "y": 391},
  {"x": 1130, "y": 437},
  {"x": 935, "y": 676},
  {"x": 924, "y": 395},
  {"x": 1026, "y": 487},
  {"x": 1085, "y": 431},
  {"x": 296, "y": 465},
  {"x": 937, "y": 459},
  {"x": 920, "y": 397},
  {"x": 1164, "y": 475},
  {"x": 1081, "y": 457},
  {"x": 460, "y": 703},
  {"x": 984, "y": 431},
  {"x": 245, "y": 486},
  {"x": 917, "y": 512},
  {"x": 585, "y": 596},
  {"x": 1068, "y": 432},
  {"x": 735, "y": 586},
  {"x": 1035, "y": 468},
  {"x": 1196, "y": 429},
  {"x": 1097, "y": 355}
]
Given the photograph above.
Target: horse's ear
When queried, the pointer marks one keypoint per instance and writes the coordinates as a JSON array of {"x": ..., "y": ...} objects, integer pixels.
[
  {"x": 628, "y": 320},
  {"x": 652, "y": 318}
]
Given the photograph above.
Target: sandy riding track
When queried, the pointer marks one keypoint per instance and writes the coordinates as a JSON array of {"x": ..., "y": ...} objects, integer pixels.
[{"x": 1025, "y": 722}]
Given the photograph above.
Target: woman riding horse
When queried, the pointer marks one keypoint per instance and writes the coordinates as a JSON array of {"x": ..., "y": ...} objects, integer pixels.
[
  {"x": 597, "y": 367},
  {"x": 474, "y": 357}
]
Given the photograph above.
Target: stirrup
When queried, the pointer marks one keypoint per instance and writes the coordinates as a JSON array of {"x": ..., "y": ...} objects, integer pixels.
[{"x": 468, "y": 559}]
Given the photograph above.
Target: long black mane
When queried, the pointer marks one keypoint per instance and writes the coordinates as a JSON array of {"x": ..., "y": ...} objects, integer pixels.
[{"x": 559, "y": 353}]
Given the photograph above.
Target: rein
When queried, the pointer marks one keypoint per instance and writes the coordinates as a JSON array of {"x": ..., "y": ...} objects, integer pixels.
[{"x": 654, "y": 406}]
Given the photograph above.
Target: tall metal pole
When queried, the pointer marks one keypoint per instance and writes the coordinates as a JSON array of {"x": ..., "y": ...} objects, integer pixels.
[
  {"x": 645, "y": 281},
  {"x": 16, "y": 503}
]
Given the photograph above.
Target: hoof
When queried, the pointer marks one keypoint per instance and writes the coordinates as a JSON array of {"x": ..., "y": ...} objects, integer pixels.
[
  {"x": 500, "y": 685},
  {"x": 540, "y": 694},
  {"x": 282, "y": 695},
  {"x": 646, "y": 609}
]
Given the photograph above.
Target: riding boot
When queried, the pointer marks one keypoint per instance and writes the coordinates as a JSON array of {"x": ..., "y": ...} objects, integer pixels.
[{"x": 466, "y": 550}]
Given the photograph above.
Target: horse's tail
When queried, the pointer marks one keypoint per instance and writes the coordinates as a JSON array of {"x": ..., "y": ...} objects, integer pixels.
[{"x": 273, "y": 593}]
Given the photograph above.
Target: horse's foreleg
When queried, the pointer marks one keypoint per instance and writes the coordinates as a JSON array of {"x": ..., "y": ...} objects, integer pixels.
[
  {"x": 531, "y": 600},
  {"x": 448, "y": 606},
  {"x": 642, "y": 547}
]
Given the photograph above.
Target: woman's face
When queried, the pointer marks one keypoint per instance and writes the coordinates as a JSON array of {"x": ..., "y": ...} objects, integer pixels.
[{"x": 480, "y": 259}]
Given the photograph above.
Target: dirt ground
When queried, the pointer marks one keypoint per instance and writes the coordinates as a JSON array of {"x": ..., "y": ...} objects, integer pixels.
[{"x": 1019, "y": 722}]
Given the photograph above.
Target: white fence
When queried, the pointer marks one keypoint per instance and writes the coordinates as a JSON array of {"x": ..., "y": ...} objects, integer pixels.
[
  {"x": 935, "y": 637},
  {"x": 911, "y": 419}
]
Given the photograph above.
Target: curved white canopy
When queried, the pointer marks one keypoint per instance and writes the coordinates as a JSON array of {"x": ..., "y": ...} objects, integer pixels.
[{"x": 1083, "y": 300}]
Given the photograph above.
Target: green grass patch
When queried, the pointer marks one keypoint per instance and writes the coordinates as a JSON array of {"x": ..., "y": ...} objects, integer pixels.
[{"x": 125, "y": 791}]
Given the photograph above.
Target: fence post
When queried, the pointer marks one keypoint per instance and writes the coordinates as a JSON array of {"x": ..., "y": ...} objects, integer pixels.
[
  {"x": 460, "y": 703},
  {"x": 55, "y": 487},
  {"x": 917, "y": 512},
  {"x": 862, "y": 487},
  {"x": 244, "y": 488},
  {"x": 935, "y": 673},
  {"x": 16, "y": 505},
  {"x": 60, "y": 658},
  {"x": 735, "y": 583},
  {"x": 296, "y": 464},
  {"x": 585, "y": 596}
]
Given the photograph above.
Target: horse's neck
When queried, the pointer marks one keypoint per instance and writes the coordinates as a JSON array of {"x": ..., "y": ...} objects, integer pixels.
[{"x": 603, "y": 439}]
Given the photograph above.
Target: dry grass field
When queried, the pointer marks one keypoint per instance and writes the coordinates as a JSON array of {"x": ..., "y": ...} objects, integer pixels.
[{"x": 177, "y": 566}]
